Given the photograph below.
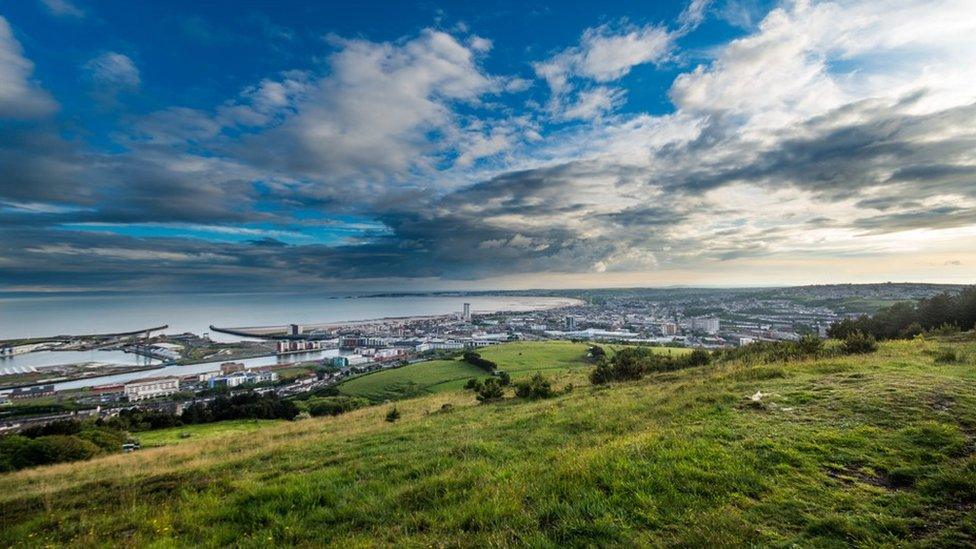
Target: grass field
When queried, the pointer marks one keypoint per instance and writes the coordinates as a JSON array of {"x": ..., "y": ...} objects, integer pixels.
[
  {"x": 412, "y": 380},
  {"x": 188, "y": 433},
  {"x": 873, "y": 450},
  {"x": 563, "y": 361}
]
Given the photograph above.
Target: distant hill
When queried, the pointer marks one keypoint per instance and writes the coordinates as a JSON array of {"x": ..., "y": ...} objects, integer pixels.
[{"x": 873, "y": 449}]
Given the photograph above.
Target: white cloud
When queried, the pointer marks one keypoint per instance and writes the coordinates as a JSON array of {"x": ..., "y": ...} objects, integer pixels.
[
  {"x": 63, "y": 8},
  {"x": 480, "y": 44},
  {"x": 384, "y": 113},
  {"x": 113, "y": 70},
  {"x": 20, "y": 97},
  {"x": 693, "y": 14},
  {"x": 605, "y": 54},
  {"x": 592, "y": 104},
  {"x": 807, "y": 58}
]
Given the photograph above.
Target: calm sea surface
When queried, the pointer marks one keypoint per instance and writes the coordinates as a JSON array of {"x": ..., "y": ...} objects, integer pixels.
[{"x": 35, "y": 317}]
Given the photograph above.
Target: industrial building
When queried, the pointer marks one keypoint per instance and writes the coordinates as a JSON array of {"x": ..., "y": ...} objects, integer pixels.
[{"x": 144, "y": 389}]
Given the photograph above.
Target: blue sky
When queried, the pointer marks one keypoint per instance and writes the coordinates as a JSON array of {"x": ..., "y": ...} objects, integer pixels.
[{"x": 250, "y": 145}]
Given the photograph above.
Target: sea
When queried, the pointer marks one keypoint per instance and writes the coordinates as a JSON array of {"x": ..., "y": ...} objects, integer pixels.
[{"x": 27, "y": 317}]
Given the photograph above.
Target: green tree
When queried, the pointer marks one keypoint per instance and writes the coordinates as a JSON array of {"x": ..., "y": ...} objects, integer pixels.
[{"x": 491, "y": 391}]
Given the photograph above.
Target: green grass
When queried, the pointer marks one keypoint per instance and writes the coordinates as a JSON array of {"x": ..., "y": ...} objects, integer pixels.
[
  {"x": 188, "y": 433},
  {"x": 873, "y": 450},
  {"x": 412, "y": 380},
  {"x": 561, "y": 360}
]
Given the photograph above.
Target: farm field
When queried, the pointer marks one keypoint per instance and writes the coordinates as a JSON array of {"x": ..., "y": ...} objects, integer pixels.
[{"x": 866, "y": 450}]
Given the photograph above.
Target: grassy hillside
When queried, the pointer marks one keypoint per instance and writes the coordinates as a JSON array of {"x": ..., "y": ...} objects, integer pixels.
[
  {"x": 188, "y": 433},
  {"x": 868, "y": 450},
  {"x": 412, "y": 380},
  {"x": 561, "y": 360}
]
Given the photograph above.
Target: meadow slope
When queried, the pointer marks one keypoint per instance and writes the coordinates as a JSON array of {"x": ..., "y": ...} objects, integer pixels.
[
  {"x": 559, "y": 360},
  {"x": 868, "y": 450}
]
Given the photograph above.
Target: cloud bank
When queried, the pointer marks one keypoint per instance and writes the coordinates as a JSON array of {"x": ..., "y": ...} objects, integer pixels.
[{"x": 832, "y": 134}]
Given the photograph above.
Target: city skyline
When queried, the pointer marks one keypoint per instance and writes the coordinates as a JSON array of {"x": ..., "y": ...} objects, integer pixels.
[{"x": 281, "y": 147}]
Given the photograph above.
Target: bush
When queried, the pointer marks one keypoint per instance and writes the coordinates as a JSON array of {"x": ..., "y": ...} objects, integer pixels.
[
  {"x": 698, "y": 357},
  {"x": 491, "y": 390},
  {"x": 633, "y": 363},
  {"x": 19, "y": 452},
  {"x": 504, "y": 378},
  {"x": 776, "y": 351},
  {"x": 393, "y": 414},
  {"x": 475, "y": 359},
  {"x": 810, "y": 345},
  {"x": 535, "y": 388},
  {"x": 108, "y": 440},
  {"x": 473, "y": 384},
  {"x": 596, "y": 352},
  {"x": 858, "y": 343}
]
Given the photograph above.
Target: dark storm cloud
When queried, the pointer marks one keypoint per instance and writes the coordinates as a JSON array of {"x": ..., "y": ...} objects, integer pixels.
[
  {"x": 39, "y": 167},
  {"x": 945, "y": 217}
]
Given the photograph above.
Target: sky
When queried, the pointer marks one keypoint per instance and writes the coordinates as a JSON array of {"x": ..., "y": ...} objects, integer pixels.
[{"x": 248, "y": 146}]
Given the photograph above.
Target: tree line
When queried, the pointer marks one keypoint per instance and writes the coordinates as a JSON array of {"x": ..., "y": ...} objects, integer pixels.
[{"x": 942, "y": 312}]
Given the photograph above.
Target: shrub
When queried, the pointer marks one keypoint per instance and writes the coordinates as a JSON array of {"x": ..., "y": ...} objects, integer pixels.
[
  {"x": 634, "y": 362},
  {"x": 858, "y": 343},
  {"x": 491, "y": 390},
  {"x": 810, "y": 345},
  {"x": 596, "y": 352},
  {"x": 393, "y": 414},
  {"x": 475, "y": 359},
  {"x": 604, "y": 373},
  {"x": 535, "y": 388},
  {"x": 912, "y": 330},
  {"x": 473, "y": 384},
  {"x": 108, "y": 440},
  {"x": 944, "y": 330},
  {"x": 698, "y": 357},
  {"x": 55, "y": 449},
  {"x": 504, "y": 378}
]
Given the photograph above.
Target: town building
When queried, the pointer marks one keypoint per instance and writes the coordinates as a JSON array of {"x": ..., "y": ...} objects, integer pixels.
[
  {"x": 708, "y": 325},
  {"x": 144, "y": 389},
  {"x": 242, "y": 378},
  {"x": 345, "y": 361},
  {"x": 297, "y": 346}
]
